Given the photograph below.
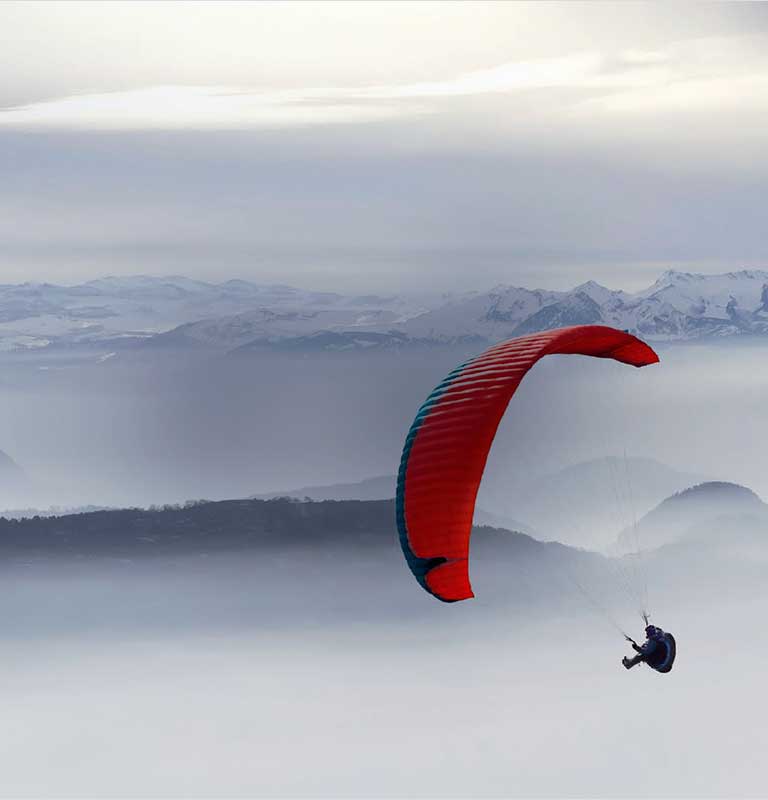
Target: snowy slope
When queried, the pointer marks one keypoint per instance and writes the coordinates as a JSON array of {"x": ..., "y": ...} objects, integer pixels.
[{"x": 678, "y": 306}]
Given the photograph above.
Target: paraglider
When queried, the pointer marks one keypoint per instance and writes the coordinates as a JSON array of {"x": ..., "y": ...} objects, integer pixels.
[
  {"x": 447, "y": 447},
  {"x": 658, "y": 651}
]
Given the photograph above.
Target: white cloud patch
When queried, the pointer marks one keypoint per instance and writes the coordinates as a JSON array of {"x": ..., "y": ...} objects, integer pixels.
[
  {"x": 685, "y": 97},
  {"x": 222, "y": 107},
  {"x": 193, "y": 107},
  {"x": 696, "y": 74}
]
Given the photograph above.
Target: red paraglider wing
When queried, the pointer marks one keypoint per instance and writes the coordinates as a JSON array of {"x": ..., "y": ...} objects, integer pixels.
[{"x": 448, "y": 444}]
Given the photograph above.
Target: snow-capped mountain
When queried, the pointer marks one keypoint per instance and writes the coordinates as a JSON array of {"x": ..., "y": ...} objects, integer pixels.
[
  {"x": 37, "y": 315},
  {"x": 243, "y": 316},
  {"x": 679, "y": 306},
  {"x": 687, "y": 305}
]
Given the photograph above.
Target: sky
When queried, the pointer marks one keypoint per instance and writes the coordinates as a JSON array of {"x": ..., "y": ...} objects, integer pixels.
[{"x": 382, "y": 146}]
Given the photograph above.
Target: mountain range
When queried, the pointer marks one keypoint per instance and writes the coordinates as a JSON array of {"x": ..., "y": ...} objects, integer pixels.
[
  {"x": 241, "y": 316},
  {"x": 680, "y": 306},
  {"x": 126, "y": 310}
]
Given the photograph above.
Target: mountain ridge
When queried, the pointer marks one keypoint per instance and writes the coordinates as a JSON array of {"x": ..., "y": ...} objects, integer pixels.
[{"x": 678, "y": 307}]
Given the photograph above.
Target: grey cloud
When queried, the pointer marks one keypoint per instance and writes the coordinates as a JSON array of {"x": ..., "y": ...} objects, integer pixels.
[{"x": 360, "y": 211}]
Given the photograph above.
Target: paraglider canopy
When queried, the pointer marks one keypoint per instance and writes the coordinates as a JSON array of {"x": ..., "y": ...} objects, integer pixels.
[{"x": 447, "y": 446}]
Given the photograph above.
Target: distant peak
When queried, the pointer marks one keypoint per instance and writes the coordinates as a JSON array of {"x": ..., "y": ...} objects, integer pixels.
[
  {"x": 507, "y": 288},
  {"x": 594, "y": 290},
  {"x": 674, "y": 276},
  {"x": 716, "y": 488},
  {"x": 590, "y": 285}
]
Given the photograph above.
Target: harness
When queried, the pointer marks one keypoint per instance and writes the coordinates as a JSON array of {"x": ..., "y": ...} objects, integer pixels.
[{"x": 663, "y": 657}]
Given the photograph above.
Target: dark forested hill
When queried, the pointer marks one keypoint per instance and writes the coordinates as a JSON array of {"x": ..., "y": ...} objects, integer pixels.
[
  {"x": 265, "y": 562},
  {"x": 253, "y": 561},
  {"x": 225, "y": 525}
]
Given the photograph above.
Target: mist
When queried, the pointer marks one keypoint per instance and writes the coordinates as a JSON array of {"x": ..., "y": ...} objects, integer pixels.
[
  {"x": 326, "y": 672},
  {"x": 168, "y": 427}
]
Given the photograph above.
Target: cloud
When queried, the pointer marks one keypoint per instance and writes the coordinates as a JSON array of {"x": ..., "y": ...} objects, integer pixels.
[
  {"x": 747, "y": 93},
  {"x": 227, "y": 107},
  {"x": 708, "y": 73},
  {"x": 193, "y": 107}
]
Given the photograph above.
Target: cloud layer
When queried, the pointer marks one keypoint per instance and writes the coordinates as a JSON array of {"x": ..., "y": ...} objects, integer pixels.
[{"x": 368, "y": 145}]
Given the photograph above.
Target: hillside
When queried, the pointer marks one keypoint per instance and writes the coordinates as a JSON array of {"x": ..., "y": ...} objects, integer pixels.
[
  {"x": 690, "y": 511},
  {"x": 383, "y": 488},
  {"x": 225, "y": 526},
  {"x": 279, "y": 557},
  {"x": 206, "y": 526}
]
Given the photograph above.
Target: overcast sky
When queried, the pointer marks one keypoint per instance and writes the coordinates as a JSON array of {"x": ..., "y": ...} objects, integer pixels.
[{"x": 382, "y": 145}]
